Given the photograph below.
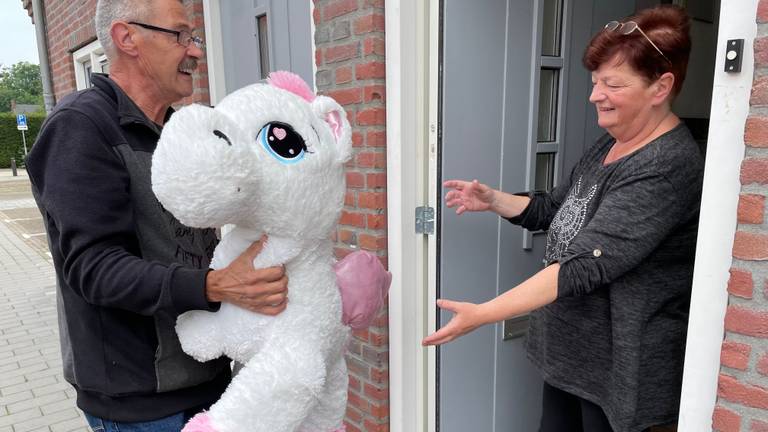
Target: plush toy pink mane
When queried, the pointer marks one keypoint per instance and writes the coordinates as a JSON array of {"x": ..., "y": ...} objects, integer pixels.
[{"x": 291, "y": 82}]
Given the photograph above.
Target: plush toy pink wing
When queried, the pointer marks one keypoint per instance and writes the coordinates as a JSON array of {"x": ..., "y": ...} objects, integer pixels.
[{"x": 363, "y": 284}]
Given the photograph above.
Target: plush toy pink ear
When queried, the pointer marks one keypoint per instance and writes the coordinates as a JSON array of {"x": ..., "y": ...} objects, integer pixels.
[
  {"x": 333, "y": 115},
  {"x": 333, "y": 119}
]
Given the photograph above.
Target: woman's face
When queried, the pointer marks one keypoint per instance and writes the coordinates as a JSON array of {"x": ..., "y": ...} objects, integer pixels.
[{"x": 624, "y": 99}]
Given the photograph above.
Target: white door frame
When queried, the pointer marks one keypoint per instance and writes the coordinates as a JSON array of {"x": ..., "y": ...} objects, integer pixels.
[
  {"x": 410, "y": 148},
  {"x": 411, "y": 386},
  {"x": 717, "y": 224}
]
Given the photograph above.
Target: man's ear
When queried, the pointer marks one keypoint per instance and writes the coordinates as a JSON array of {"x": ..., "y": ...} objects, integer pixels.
[{"x": 123, "y": 37}]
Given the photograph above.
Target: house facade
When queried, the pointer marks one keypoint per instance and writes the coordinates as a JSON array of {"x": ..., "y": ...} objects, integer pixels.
[{"x": 493, "y": 90}]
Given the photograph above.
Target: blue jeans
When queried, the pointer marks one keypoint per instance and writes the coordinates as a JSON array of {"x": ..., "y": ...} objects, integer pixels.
[{"x": 172, "y": 423}]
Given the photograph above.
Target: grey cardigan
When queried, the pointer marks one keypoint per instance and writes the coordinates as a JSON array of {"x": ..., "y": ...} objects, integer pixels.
[{"x": 625, "y": 236}]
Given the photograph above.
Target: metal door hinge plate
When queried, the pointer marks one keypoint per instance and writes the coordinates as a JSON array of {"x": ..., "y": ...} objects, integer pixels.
[{"x": 425, "y": 220}]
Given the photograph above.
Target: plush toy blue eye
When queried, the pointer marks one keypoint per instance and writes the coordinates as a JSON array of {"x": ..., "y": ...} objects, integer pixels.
[{"x": 282, "y": 142}]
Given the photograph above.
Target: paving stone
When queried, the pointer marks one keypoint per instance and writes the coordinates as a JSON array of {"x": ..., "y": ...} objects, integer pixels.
[
  {"x": 6, "y": 400},
  {"x": 28, "y": 385},
  {"x": 59, "y": 386},
  {"x": 19, "y": 417},
  {"x": 44, "y": 421},
  {"x": 38, "y": 402}
]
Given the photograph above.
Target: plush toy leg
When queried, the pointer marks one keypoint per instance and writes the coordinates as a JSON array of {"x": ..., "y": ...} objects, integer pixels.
[
  {"x": 200, "y": 335},
  {"x": 328, "y": 415},
  {"x": 275, "y": 390}
]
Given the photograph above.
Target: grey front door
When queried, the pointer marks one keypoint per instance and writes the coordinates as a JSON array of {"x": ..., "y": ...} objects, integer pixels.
[
  {"x": 515, "y": 115},
  {"x": 260, "y": 36}
]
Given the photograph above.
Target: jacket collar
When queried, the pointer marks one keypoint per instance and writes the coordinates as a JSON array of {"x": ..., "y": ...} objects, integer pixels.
[{"x": 127, "y": 110}]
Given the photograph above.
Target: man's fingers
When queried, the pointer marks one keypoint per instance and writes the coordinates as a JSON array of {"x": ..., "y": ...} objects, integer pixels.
[
  {"x": 266, "y": 290},
  {"x": 255, "y": 247},
  {"x": 270, "y": 310},
  {"x": 270, "y": 274},
  {"x": 275, "y": 299}
]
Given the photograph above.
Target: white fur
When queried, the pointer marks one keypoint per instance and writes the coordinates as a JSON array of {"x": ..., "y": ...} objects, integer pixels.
[{"x": 295, "y": 377}]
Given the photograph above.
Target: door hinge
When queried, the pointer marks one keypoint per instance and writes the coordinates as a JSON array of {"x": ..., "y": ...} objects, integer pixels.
[{"x": 425, "y": 220}]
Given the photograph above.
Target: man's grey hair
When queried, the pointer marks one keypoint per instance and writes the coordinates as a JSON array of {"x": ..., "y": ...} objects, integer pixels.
[{"x": 109, "y": 11}]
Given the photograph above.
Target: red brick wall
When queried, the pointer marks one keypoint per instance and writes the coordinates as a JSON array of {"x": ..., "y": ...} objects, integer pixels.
[
  {"x": 69, "y": 26},
  {"x": 742, "y": 403},
  {"x": 201, "y": 92},
  {"x": 349, "y": 39}
]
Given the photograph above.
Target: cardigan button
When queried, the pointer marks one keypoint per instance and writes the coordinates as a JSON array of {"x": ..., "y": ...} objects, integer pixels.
[{"x": 597, "y": 253}]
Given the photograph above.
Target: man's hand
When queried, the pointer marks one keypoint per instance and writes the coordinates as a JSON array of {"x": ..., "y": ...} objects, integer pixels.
[{"x": 259, "y": 290}]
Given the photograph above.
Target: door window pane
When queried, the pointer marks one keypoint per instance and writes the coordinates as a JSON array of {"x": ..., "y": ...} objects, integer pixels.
[
  {"x": 552, "y": 29},
  {"x": 548, "y": 93},
  {"x": 545, "y": 171},
  {"x": 263, "y": 32}
]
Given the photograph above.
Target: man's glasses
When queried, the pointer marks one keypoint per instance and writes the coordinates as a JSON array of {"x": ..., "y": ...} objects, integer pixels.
[
  {"x": 183, "y": 37},
  {"x": 627, "y": 28}
]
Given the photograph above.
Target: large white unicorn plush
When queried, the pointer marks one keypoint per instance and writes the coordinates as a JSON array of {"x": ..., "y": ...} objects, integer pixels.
[{"x": 268, "y": 159}]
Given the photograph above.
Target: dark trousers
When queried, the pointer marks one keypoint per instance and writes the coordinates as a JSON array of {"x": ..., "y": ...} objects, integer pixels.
[
  {"x": 564, "y": 412},
  {"x": 172, "y": 423}
]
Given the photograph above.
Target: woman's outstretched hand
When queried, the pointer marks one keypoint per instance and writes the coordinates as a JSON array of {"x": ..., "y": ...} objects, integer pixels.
[
  {"x": 468, "y": 196},
  {"x": 467, "y": 317}
]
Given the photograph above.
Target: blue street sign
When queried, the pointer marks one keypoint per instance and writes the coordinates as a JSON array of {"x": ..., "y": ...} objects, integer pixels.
[{"x": 21, "y": 122}]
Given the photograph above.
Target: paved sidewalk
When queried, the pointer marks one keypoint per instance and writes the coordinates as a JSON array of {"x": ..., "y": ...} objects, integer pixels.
[
  {"x": 7, "y": 175},
  {"x": 33, "y": 394}
]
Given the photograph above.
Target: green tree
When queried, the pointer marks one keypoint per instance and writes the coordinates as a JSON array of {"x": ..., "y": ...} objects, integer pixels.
[{"x": 21, "y": 82}]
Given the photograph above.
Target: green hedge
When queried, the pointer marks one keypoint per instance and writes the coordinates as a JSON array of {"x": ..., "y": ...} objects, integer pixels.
[{"x": 11, "y": 145}]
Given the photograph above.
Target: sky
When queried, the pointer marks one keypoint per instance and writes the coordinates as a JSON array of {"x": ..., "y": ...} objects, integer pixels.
[{"x": 17, "y": 34}]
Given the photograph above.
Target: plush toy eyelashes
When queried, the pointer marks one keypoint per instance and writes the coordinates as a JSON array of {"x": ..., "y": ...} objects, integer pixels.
[{"x": 282, "y": 142}]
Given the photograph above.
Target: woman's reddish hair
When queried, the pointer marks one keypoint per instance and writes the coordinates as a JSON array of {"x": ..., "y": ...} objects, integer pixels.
[{"x": 667, "y": 26}]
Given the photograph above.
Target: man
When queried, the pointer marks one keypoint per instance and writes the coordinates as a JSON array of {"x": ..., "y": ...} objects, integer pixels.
[{"x": 125, "y": 267}]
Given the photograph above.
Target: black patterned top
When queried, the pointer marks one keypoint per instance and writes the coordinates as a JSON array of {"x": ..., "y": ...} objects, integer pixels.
[{"x": 624, "y": 234}]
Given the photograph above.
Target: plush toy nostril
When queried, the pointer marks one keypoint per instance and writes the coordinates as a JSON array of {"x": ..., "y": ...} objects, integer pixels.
[{"x": 221, "y": 135}]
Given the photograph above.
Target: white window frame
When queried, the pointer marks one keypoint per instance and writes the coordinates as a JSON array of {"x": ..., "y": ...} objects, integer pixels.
[
  {"x": 92, "y": 53},
  {"x": 214, "y": 50}
]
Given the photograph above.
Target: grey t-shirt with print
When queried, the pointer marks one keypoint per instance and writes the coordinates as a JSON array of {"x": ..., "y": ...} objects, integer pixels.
[{"x": 624, "y": 234}]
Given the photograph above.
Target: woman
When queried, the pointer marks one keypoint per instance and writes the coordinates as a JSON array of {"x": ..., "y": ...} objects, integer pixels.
[{"x": 611, "y": 307}]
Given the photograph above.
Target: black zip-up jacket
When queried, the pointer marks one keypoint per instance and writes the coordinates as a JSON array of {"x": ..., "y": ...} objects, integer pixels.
[{"x": 125, "y": 267}]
